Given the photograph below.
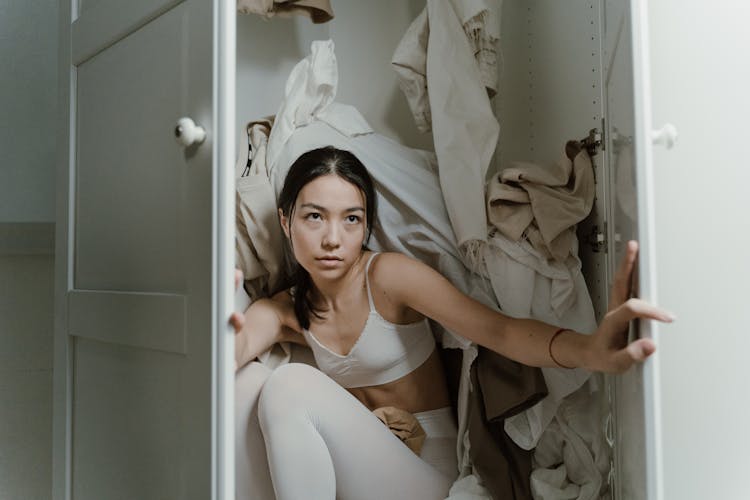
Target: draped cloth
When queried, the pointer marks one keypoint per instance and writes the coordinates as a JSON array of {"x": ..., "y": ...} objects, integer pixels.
[
  {"x": 319, "y": 11},
  {"x": 258, "y": 238},
  {"x": 438, "y": 72},
  {"x": 543, "y": 203}
]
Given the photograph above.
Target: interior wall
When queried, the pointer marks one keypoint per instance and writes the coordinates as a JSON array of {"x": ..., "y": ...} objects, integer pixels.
[
  {"x": 26, "y": 304},
  {"x": 28, "y": 107}
]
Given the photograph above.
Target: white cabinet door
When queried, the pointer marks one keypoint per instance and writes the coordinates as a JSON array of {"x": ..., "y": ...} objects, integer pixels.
[
  {"x": 636, "y": 408},
  {"x": 700, "y": 76},
  {"x": 143, "y": 360}
]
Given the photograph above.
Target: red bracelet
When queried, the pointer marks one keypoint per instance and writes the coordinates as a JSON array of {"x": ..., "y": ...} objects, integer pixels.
[{"x": 549, "y": 348}]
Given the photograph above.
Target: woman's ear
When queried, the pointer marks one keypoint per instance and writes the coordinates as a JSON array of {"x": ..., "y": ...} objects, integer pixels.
[{"x": 284, "y": 222}]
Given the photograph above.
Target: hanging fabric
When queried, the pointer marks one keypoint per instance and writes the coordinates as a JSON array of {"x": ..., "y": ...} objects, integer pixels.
[
  {"x": 258, "y": 237},
  {"x": 258, "y": 241},
  {"x": 481, "y": 25},
  {"x": 319, "y": 11},
  {"x": 439, "y": 74}
]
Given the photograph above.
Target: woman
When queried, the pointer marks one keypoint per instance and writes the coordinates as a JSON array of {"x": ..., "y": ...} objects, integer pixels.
[{"x": 364, "y": 317}]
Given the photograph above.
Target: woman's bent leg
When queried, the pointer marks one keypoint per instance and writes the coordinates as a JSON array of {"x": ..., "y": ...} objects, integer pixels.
[
  {"x": 323, "y": 444},
  {"x": 252, "y": 477}
]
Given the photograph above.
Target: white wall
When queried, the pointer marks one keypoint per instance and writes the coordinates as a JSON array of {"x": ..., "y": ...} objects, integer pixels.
[
  {"x": 699, "y": 76},
  {"x": 26, "y": 295},
  {"x": 28, "y": 109}
]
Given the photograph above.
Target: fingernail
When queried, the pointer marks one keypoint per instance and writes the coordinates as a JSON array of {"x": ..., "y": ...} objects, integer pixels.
[
  {"x": 670, "y": 316},
  {"x": 644, "y": 353}
]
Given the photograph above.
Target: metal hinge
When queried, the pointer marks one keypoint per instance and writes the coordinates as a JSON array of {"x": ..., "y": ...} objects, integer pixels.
[
  {"x": 594, "y": 141},
  {"x": 597, "y": 239}
]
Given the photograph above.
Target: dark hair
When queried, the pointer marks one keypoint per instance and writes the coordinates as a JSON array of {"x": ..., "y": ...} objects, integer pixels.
[{"x": 308, "y": 167}]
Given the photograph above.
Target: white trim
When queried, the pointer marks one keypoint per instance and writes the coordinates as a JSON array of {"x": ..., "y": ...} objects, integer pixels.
[
  {"x": 62, "y": 373},
  {"x": 647, "y": 239},
  {"x": 224, "y": 69}
]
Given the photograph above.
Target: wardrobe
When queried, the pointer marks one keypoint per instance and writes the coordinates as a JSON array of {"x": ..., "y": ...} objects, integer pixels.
[{"x": 143, "y": 366}]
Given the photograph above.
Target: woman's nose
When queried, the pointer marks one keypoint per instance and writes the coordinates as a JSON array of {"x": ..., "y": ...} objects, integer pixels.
[{"x": 332, "y": 236}]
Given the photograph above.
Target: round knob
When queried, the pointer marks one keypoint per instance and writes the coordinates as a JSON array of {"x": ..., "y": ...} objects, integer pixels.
[
  {"x": 188, "y": 133},
  {"x": 666, "y": 136}
]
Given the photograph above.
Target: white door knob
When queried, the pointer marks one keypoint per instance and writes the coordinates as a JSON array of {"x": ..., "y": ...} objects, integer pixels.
[
  {"x": 188, "y": 133},
  {"x": 665, "y": 136}
]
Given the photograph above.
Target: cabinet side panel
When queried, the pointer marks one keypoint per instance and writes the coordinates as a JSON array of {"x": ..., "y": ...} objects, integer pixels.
[{"x": 699, "y": 80}]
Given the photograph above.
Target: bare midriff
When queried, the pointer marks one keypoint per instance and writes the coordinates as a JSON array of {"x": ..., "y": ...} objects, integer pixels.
[{"x": 421, "y": 390}]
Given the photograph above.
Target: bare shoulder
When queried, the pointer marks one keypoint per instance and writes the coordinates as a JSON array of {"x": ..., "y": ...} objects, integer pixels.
[
  {"x": 401, "y": 276},
  {"x": 394, "y": 267},
  {"x": 411, "y": 283}
]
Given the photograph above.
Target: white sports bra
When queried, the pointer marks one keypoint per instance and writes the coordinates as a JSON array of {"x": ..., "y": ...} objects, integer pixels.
[{"x": 384, "y": 351}]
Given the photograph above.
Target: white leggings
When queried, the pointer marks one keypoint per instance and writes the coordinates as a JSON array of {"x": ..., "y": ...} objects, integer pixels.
[{"x": 323, "y": 444}]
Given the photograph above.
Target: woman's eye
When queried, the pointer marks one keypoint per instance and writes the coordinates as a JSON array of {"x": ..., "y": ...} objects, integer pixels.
[
  {"x": 353, "y": 219},
  {"x": 313, "y": 216}
]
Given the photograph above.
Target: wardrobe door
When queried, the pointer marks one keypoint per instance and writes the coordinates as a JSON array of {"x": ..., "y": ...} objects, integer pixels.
[
  {"x": 143, "y": 352},
  {"x": 636, "y": 421},
  {"x": 700, "y": 75}
]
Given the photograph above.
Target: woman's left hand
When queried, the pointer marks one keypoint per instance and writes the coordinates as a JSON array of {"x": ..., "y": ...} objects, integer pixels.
[{"x": 610, "y": 350}]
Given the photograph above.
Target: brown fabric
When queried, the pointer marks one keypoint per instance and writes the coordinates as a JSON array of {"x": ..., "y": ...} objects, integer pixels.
[
  {"x": 319, "y": 11},
  {"x": 509, "y": 387},
  {"x": 403, "y": 425},
  {"x": 501, "y": 388},
  {"x": 452, "y": 362},
  {"x": 543, "y": 202}
]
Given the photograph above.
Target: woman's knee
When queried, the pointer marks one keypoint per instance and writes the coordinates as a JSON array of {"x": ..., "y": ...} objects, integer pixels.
[{"x": 287, "y": 391}]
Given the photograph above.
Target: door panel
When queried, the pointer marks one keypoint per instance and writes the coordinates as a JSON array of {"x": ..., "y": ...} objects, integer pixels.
[
  {"x": 102, "y": 23},
  {"x": 128, "y": 423},
  {"x": 130, "y": 174}
]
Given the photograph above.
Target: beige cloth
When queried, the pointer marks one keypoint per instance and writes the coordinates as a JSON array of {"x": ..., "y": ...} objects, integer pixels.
[
  {"x": 403, "y": 425},
  {"x": 258, "y": 238},
  {"x": 543, "y": 203},
  {"x": 437, "y": 68},
  {"x": 480, "y": 24},
  {"x": 319, "y": 11}
]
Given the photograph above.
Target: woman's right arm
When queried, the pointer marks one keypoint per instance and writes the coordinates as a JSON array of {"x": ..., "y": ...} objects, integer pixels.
[{"x": 266, "y": 322}]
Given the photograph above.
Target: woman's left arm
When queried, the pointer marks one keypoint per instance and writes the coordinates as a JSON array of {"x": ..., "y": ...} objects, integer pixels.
[{"x": 527, "y": 341}]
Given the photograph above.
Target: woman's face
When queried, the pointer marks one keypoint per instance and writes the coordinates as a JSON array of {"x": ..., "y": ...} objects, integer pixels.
[{"x": 327, "y": 227}]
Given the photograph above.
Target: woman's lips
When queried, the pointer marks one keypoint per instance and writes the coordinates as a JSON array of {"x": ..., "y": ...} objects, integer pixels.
[{"x": 329, "y": 261}]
